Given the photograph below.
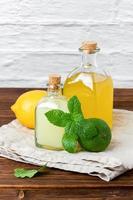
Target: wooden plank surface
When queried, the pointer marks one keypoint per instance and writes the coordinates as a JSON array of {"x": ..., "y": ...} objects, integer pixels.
[{"x": 57, "y": 184}]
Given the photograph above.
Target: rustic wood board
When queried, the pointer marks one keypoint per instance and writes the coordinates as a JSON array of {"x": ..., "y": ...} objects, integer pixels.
[{"x": 57, "y": 184}]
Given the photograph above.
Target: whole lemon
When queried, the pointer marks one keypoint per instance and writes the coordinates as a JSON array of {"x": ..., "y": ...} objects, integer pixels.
[{"x": 24, "y": 107}]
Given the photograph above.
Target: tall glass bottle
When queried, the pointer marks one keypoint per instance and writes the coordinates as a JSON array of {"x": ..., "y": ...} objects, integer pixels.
[
  {"x": 92, "y": 85},
  {"x": 48, "y": 135}
]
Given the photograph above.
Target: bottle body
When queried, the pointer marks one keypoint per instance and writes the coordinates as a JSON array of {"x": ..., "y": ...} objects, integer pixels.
[
  {"x": 95, "y": 92},
  {"x": 94, "y": 88},
  {"x": 48, "y": 135}
]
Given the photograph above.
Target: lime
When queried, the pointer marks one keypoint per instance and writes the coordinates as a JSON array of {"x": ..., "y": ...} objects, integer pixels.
[{"x": 95, "y": 135}]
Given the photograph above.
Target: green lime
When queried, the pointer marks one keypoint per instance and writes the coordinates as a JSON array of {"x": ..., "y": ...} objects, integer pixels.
[{"x": 95, "y": 135}]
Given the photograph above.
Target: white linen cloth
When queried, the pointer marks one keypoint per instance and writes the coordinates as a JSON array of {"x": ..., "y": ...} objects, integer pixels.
[{"x": 17, "y": 143}]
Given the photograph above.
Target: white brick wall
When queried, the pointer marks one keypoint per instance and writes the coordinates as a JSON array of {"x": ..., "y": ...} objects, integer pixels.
[{"x": 39, "y": 36}]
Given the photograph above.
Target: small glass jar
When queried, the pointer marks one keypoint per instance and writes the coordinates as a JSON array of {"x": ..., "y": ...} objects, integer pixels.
[{"x": 47, "y": 135}]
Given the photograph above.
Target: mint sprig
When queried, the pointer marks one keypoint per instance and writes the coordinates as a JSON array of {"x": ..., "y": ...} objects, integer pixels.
[
  {"x": 28, "y": 173},
  {"x": 90, "y": 134},
  {"x": 70, "y": 122}
]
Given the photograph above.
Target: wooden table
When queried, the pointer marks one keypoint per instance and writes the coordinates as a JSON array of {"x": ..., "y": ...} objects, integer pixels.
[{"x": 57, "y": 184}]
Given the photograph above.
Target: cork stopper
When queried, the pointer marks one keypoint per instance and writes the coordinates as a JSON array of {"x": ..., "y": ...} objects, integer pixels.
[
  {"x": 54, "y": 79},
  {"x": 88, "y": 46}
]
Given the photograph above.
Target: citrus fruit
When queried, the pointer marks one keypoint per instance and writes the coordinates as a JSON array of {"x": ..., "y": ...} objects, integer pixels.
[
  {"x": 95, "y": 135},
  {"x": 24, "y": 107}
]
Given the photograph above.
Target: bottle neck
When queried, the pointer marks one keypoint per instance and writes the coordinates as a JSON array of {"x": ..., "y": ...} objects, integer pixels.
[
  {"x": 89, "y": 60},
  {"x": 54, "y": 90}
]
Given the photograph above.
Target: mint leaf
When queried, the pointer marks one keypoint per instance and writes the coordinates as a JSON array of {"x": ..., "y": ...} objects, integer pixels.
[
  {"x": 70, "y": 142},
  {"x": 70, "y": 138},
  {"x": 22, "y": 173},
  {"x": 58, "y": 117},
  {"x": 72, "y": 128},
  {"x": 29, "y": 173},
  {"x": 74, "y": 105}
]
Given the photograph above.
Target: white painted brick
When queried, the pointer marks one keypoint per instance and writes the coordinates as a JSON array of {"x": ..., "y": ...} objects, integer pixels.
[
  {"x": 26, "y": 65},
  {"x": 41, "y": 37},
  {"x": 9, "y": 10},
  {"x": 30, "y": 29},
  {"x": 32, "y": 69},
  {"x": 125, "y": 10},
  {"x": 38, "y": 10},
  {"x": 110, "y": 37},
  {"x": 113, "y": 37}
]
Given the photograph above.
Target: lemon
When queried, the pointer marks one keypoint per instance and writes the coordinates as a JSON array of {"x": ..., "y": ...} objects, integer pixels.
[{"x": 24, "y": 107}]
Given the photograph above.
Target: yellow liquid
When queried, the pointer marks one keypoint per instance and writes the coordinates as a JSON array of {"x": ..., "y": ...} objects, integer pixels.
[{"x": 95, "y": 92}]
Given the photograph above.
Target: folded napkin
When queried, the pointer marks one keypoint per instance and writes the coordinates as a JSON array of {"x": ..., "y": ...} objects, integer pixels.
[{"x": 17, "y": 143}]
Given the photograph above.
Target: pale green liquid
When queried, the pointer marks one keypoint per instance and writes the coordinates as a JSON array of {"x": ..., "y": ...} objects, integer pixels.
[{"x": 48, "y": 135}]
